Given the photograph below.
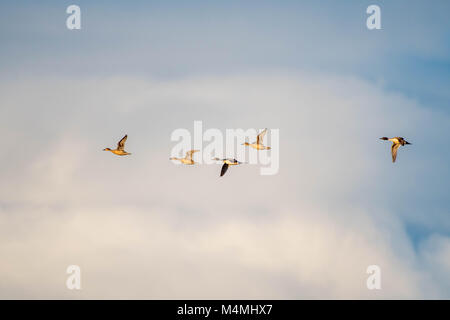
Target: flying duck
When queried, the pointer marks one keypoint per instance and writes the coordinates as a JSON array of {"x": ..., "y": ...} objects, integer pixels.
[
  {"x": 226, "y": 163},
  {"x": 120, "y": 147},
  {"x": 258, "y": 145},
  {"x": 187, "y": 159},
  {"x": 396, "y": 143}
]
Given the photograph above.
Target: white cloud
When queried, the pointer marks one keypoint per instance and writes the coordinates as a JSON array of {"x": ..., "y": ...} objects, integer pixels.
[
  {"x": 128, "y": 253},
  {"x": 141, "y": 227}
]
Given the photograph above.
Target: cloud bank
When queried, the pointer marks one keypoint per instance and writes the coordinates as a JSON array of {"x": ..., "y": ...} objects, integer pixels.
[{"x": 140, "y": 227}]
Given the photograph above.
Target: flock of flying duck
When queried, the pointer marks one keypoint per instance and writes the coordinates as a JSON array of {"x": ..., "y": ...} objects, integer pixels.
[{"x": 258, "y": 145}]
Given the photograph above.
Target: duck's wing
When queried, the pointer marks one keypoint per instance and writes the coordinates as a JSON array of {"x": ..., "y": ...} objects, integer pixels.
[
  {"x": 189, "y": 154},
  {"x": 260, "y": 136},
  {"x": 224, "y": 169},
  {"x": 394, "y": 149},
  {"x": 121, "y": 144}
]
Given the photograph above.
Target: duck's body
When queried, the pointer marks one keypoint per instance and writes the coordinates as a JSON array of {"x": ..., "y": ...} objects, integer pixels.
[
  {"x": 118, "y": 152},
  {"x": 120, "y": 147},
  {"x": 226, "y": 163},
  {"x": 187, "y": 159},
  {"x": 396, "y": 143},
  {"x": 258, "y": 145}
]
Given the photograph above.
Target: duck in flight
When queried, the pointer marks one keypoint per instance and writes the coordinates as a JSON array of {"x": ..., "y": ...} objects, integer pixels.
[
  {"x": 120, "y": 147},
  {"x": 396, "y": 143},
  {"x": 226, "y": 163},
  {"x": 187, "y": 159},
  {"x": 258, "y": 145}
]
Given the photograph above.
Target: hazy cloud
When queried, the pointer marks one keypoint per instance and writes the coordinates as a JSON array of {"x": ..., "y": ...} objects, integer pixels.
[{"x": 140, "y": 227}]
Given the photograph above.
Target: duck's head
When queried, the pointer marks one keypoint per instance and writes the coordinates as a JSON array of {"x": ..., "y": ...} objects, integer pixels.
[
  {"x": 384, "y": 138},
  {"x": 246, "y": 144},
  {"x": 107, "y": 149},
  {"x": 268, "y": 148}
]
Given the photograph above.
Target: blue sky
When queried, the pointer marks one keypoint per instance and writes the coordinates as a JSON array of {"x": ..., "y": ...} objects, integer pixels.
[
  {"x": 146, "y": 68},
  {"x": 176, "y": 38}
]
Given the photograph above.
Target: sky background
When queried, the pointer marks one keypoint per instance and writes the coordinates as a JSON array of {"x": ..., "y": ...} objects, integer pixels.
[{"x": 141, "y": 227}]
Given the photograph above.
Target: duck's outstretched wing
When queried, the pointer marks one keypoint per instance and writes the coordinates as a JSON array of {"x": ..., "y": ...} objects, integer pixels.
[
  {"x": 190, "y": 153},
  {"x": 394, "y": 149},
  {"x": 224, "y": 169},
  {"x": 121, "y": 143},
  {"x": 260, "y": 137}
]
